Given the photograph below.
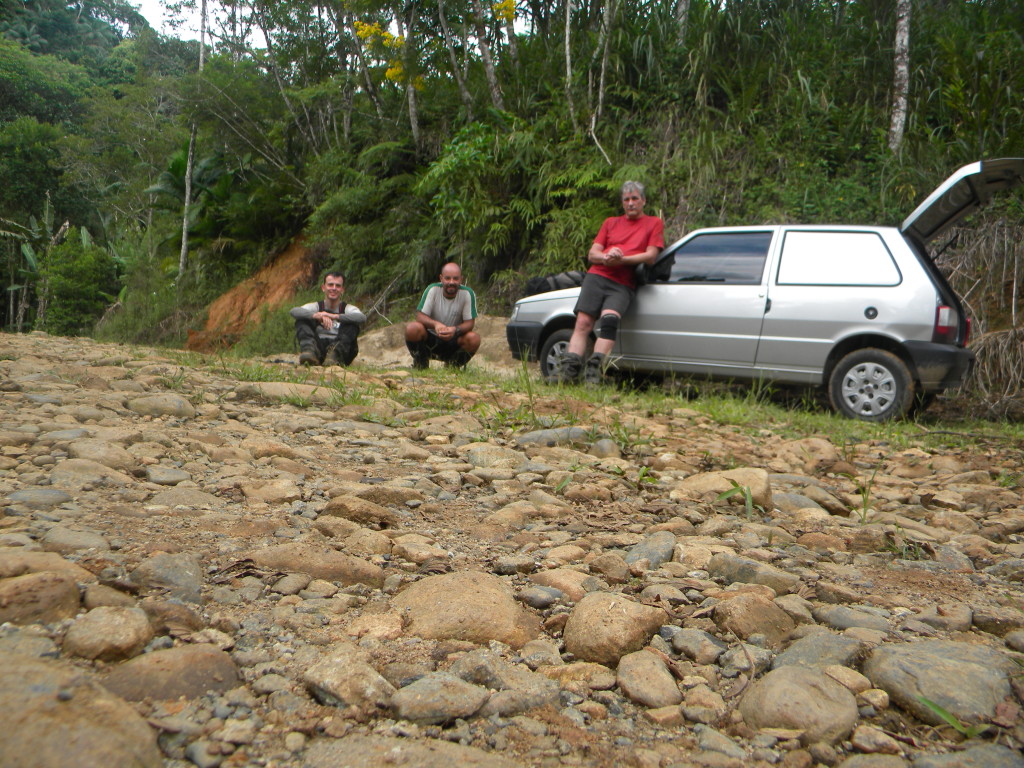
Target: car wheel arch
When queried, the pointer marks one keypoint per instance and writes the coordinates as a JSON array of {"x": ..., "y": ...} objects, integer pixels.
[
  {"x": 561, "y": 323},
  {"x": 867, "y": 341}
]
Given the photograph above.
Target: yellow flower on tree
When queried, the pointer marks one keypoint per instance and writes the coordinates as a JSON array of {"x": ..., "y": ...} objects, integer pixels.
[{"x": 505, "y": 10}]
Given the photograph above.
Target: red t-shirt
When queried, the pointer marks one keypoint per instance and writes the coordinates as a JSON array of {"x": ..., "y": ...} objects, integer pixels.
[{"x": 633, "y": 236}]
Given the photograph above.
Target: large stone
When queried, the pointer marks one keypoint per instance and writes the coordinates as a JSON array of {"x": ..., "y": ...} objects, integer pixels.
[
  {"x": 320, "y": 563},
  {"x": 345, "y": 678},
  {"x": 734, "y": 568},
  {"x": 56, "y": 716},
  {"x": 819, "y": 650},
  {"x": 38, "y": 597},
  {"x": 565, "y": 580},
  {"x": 109, "y": 633},
  {"x": 438, "y": 698},
  {"x": 103, "y": 452},
  {"x": 644, "y": 678},
  {"x": 281, "y": 490},
  {"x": 361, "y": 511},
  {"x": 79, "y": 474},
  {"x": 515, "y": 688},
  {"x": 190, "y": 499},
  {"x": 604, "y": 627},
  {"x": 748, "y": 613},
  {"x": 980, "y": 756},
  {"x": 66, "y": 540},
  {"x": 708, "y": 486},
  {"x": 15, "y": 561},
  {"x": 162, "y": 405},
  {"x": 358, "y": 751},
  {"x": 490, "y": 455},
  {"x": 189, "y": 671},
  {"x": 969, "y": 681},
  {"x": 656, "y": 549},
  {"x": 466, "y": 605},
  {"x": 801, "y": 698},
  {"x": 179, "y": 575},
  {"x": 40, "y": 498}
]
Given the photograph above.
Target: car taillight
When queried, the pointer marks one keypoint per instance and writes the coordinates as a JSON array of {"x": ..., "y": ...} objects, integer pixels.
[{"x": 946, "y": 323}]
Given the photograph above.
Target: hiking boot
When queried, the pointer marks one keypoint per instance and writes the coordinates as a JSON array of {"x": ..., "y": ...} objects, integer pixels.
[
  {"x": 569, "y": 366},
  {"x": 420, "y": 355},
  {"x": 458, "y": 359},
  {"x": 333, "y": 356},
  {"x": 594, "y": 373},
  {"x": 309, "y": 356}
]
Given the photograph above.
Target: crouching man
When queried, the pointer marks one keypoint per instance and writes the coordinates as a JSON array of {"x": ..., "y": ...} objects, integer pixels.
[
  {"x": 327, "y": 330},
  {"x": 443, "y": 328}
]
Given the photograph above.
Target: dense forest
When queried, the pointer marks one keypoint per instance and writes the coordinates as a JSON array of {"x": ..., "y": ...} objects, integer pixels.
[{"x": 141, "y": 175}]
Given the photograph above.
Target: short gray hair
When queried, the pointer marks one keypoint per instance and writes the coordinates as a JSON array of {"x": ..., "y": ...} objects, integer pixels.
[{"x": 633, "y": 186}]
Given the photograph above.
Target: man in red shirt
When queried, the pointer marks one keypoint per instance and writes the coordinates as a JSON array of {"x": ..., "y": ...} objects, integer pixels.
[{"x": 622, "y": 244}]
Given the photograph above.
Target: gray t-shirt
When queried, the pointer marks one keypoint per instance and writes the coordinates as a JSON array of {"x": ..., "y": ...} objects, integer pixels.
[{"x": 433, "y": 304}]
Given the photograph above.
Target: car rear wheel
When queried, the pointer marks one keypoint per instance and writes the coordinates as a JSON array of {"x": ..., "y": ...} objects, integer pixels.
[
  {"x": 551, "y": 351},
  {"x": 871, "y": 385}
]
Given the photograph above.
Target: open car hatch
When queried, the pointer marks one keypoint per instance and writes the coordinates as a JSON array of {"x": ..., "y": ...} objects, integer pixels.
[{"x": 961, "y": 194}]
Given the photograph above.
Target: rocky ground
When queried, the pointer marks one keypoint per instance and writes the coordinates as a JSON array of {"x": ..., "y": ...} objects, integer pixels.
[{"x": 198, "y": 570}]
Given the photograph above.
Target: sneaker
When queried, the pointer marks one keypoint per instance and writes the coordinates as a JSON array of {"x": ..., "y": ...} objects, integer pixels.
[
  {"x": 309, "y": 356},
  {"x": 594, "y": 373}
]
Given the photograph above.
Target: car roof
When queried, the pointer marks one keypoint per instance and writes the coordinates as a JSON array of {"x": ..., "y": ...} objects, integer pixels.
[{"x": 961, "y": 194}]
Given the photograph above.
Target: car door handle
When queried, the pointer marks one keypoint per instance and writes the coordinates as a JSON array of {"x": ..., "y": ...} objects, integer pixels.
[{"x": 767, "y": 305}]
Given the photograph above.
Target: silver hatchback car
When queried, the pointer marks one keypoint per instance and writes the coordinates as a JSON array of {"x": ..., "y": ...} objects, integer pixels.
[{"x": 862, "y": 311}]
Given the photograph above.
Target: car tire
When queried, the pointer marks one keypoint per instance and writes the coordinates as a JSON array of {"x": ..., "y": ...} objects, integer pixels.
[
  {"x": 871, "y": 385},
  {"x": 554, "y": 346}
]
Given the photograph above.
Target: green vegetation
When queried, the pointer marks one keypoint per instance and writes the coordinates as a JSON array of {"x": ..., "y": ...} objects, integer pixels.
[
  {"x": 394, "y": 137},
  {"x": 743, "y": 491},
  {"x": 967, "y": 731}
]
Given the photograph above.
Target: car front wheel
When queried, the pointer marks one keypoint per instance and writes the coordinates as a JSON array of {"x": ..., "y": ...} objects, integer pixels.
[
  {"x": 871, "y": 385},
  {"x": 551, "y": 351}
]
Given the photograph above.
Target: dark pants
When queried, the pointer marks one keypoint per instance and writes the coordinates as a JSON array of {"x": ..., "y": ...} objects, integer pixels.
[
  {"x": 434, "y": 348},
  {"x": 341, "y": 351}
]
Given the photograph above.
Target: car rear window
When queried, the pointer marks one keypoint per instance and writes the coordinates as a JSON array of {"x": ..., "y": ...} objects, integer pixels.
[
  {"x": 836, "y": 258},
  {"x": 735, "y": 258}
]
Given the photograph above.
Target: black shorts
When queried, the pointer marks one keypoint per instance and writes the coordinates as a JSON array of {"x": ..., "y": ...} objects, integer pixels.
[
  {"x": 441, "y": 349},
  {"x": 599, "y": 293}
]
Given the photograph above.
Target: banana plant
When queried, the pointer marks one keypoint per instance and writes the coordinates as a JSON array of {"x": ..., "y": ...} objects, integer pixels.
[{"x": 36, "y": 239}]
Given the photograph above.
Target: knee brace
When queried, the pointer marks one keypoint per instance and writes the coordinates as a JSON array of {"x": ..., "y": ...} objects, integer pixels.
[{"x": 609, "y": 327}]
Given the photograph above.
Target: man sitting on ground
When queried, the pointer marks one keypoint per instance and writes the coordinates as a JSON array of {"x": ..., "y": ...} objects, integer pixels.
[
  {"x": 327, "y": 330},
  {"x": 443, "y": 328}
]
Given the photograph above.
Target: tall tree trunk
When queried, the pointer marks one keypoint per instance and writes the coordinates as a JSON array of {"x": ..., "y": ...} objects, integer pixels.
[
  {"x": 485, "y": 55},
  {"x": 568, "y": 66},
  {"x": 460, "y": 81},
  {"x": 604, "y": 47},
  {"x": 43, "y": 291},
  {"x": 513, "y": 42},
  {"x": 304, "y": 125},
  {"x": 601, "y": 51},
  {"x": 901, "y": 75},
  {"x": 183, "y": 256},
  {"x": 410, "y": 88},
  {"x": 682, "y": 12}
]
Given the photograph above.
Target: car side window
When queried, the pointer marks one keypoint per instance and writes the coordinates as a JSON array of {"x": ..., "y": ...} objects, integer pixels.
[
  {"x": 733, "y": 258},
  {"x": 836, "y": 258}
]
